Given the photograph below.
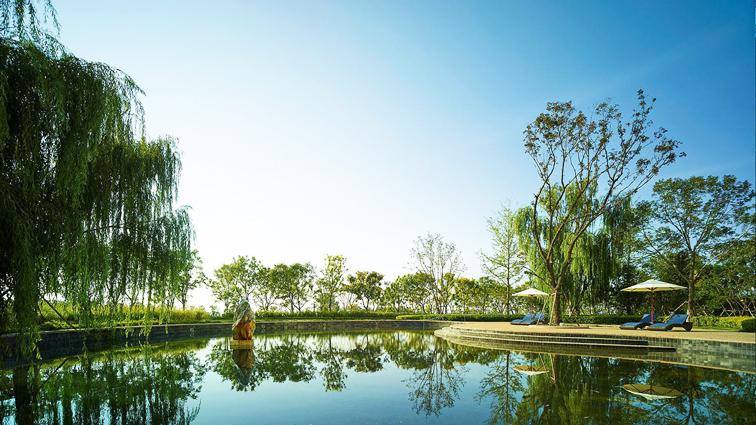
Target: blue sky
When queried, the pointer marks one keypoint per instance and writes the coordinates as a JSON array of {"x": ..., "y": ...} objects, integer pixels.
[{"x": 312, "y": 128}]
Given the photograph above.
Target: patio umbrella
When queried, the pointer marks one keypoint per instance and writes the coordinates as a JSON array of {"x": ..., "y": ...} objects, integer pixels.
[
  {"x": 531, "y": 370},
  {"x": 650, "y": 392},
  {"x": 653, "y": 286},
  {"x": 531, "y": 293}
]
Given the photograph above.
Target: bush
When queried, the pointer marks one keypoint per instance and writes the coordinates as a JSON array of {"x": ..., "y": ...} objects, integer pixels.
[
  {"x": 602, "y": 319},
  {"x": 735, "y": 322},
  {"x": 748, "y": 325},
  {"x": 458, "y": 317},
  {"x": 325, "y": 315}
]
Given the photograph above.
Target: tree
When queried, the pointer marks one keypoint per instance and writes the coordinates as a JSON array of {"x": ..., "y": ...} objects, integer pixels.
[
  {"x": 264, "y": 293},
  {"x": 735, "y": 266},
  {"x": 331, "y": 283},
  {"x": 416, "y": 288},
  {"x": 468, "y": 294},
  {"x": 192, "y": 277},
  {"x": 506, "y": 263},
  {"x": 366, "y": 287},
  {"x": 238, "y": 279},
  {"x": 86, "y": 200},
  {"x": 394, "y": 297},
  {"x": 293, "y": 284},
  {"x": 694, "y": 217},
  {"x": 440, "y": 260},
  {"x": 586, "y": 164}
]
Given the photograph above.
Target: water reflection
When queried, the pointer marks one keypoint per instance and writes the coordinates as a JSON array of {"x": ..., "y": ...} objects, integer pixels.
[
  {"x": 137, "y": 386},
  {"x": 162, "y": 384}
]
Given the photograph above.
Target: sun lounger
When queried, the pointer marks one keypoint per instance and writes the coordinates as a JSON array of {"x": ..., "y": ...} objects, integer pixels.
[
  {"x": 676, "y": 321},
  {"x": 644, "y": 321},
  {"x": 524, "y": 321},
  {"x": 530, "y": 319}
]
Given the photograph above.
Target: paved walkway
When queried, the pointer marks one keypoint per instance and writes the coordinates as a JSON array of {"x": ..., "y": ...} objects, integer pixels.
[{"x": 614, "y": 330}]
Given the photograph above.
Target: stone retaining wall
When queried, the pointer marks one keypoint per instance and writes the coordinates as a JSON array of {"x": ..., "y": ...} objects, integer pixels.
[{"x": 70, "y": 342}]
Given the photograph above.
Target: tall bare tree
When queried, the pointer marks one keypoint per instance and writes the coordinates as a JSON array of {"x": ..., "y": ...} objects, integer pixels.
[
  {"x": 585, "y": 164},
  {"x": 439, "y": 259}
]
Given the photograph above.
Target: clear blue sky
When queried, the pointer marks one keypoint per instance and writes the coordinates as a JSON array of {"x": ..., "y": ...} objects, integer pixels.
[{"x": 312, "y": 128}]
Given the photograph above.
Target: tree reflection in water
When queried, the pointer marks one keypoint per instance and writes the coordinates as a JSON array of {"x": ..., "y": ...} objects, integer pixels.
[
  {"x": 156, "y": 384},
  {"x": 150, "y": 384}
]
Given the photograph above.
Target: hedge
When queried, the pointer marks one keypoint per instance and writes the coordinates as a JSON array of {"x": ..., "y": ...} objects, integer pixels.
[
  {"x": 745, "y": 323},
  {"x": 320, "y": 315},
  {"x": 741, "y": 322},
  {"x": 459, "y": 317},
  {"x": 748, "y": 325}
]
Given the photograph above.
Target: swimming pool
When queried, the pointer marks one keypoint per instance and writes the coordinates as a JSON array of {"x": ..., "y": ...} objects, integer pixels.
[{"x": 406, "y": 377}]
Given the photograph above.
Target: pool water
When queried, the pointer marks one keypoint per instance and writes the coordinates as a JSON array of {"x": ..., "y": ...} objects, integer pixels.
[{"x": 373, "y": 378}]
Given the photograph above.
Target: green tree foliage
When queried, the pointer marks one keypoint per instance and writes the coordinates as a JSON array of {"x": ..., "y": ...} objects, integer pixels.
[
  {"x": 145, "y": 385},
  {"x": 366, "y": 287},
  {"x": 585, "y": 164},
  {"x": 293, "y": 284},
  {"x": 727, "y": 291},
  {"x": 238, "y": 280},
  {"x": 692, "y": 220},
  {"x": 191, "y": 277},
  {"x": 86, "y": 200},
  {"x": 413, "y": 290},
  {"x": 331, "y": 283},
  {"x": 506, "y": 262},
  {"x": 433, "y": 256}
]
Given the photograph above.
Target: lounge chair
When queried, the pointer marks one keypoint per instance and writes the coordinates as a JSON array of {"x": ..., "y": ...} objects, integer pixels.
[
  {"x": 644, "y": 321},
  {"x": 676, "y": 321},
  {"x": 533, "y": 320},
  {"x": 524, "y": 321}
]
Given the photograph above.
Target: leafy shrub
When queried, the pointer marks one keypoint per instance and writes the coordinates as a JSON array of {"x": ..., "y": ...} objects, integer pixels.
[
  {"x": 325, "y": 315},
  {"x": 749, "y": 325},
  {"x": 459, "y": 317},
  {"x": 602, "y": 319},
  {"x": 734, "y": 322}
]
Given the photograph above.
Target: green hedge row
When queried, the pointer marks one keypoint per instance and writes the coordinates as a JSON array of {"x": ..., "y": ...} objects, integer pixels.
[
  {"x": 602, "y": 319},
  {"x": 459, "y": 317},
  {"x": 321, "y": 315},
  {"x": 742, "y": 322},
  {"x": 745, "y": 323}
]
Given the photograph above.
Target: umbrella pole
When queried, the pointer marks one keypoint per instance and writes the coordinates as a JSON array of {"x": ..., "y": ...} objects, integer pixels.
[{"x": 653, "y": 295}]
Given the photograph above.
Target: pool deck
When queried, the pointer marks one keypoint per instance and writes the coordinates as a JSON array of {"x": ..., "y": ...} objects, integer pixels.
[
  {"x": 615, "y": 331},
  {"x": 701, "y": 347}
]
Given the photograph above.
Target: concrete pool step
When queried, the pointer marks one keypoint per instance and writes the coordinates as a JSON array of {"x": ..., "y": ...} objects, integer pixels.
[
  {"x": 588, "y": 339},
  {"x": 526, "y": 339}
]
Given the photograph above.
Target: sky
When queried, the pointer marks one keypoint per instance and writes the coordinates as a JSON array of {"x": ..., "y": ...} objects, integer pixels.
[{"x": 352, "y": 127}]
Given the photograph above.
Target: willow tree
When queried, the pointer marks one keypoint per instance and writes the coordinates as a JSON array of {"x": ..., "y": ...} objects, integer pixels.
[
  {"x": 599, "y": 256},
  {"x": 86, "y": 201},
  {"x": 575, "y": 154}
]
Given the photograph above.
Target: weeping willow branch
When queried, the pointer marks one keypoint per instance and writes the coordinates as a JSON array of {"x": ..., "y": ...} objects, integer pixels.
[{"x": 86, "y": 201}]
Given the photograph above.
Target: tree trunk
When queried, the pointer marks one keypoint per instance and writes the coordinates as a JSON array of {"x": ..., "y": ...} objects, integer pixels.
[
  {"x": 556, "y": 309},
  {"x": 23, "y": 395}
]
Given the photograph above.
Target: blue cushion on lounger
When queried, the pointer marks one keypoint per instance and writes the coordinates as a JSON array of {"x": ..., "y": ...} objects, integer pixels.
[
  {"x": 676, "y": 321},
  {"x": 644, "y": 321},
  {"x": 525, "y": 320}
]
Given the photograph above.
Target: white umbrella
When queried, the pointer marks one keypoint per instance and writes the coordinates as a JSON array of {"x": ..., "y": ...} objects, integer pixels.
[
  {"x": 530, "y": 370},
  {"x": 650, "y": 392},
  {"x": 653, "y": 286},
  {"x": 531, "y": 293}
]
